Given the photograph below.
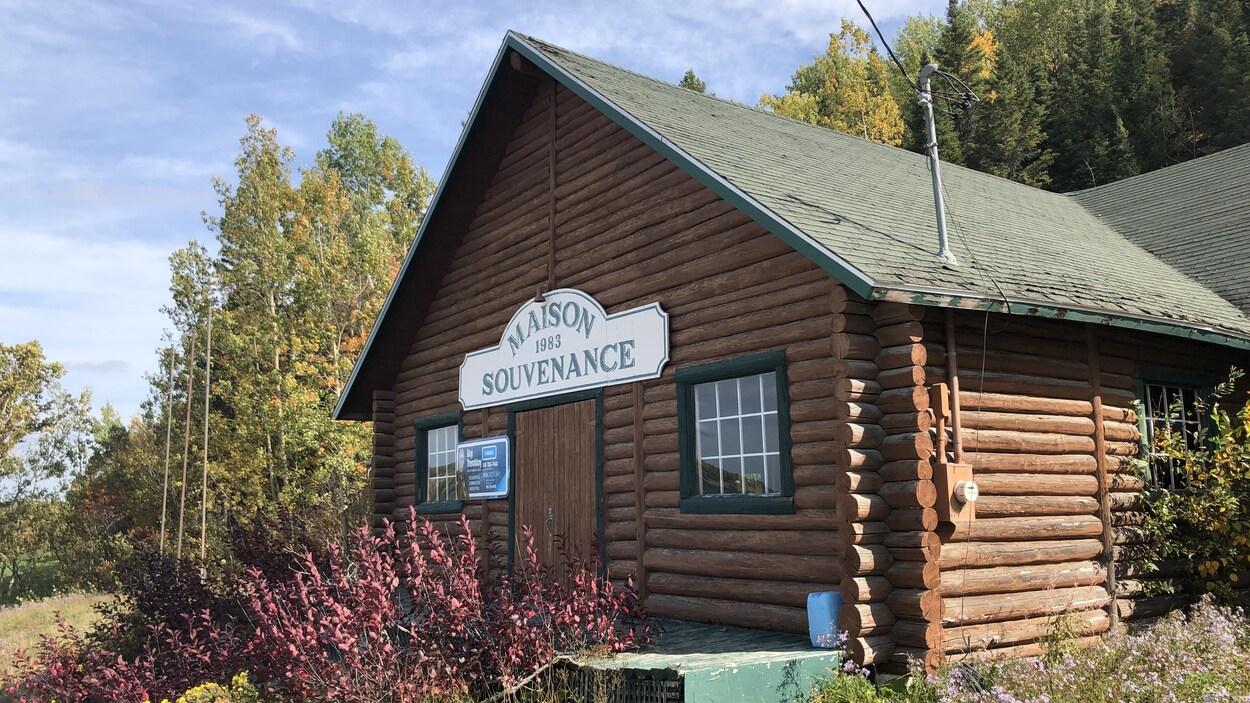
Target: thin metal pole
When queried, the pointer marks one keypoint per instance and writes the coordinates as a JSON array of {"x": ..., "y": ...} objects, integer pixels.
[
  {"x": 169, "y": 437},
  {"x": 926, "y": 101},
  {"x": 186, "y": 441},
  {"x": 208, "y": 371},
  {"x": 952, "y": 370}
]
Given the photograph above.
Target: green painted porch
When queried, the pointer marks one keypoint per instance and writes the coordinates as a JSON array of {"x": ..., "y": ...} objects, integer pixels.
[{"x": 698, "y": 663}]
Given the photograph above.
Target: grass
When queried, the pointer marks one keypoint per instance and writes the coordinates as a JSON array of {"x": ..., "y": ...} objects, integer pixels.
[
  {"x": 41, "y": 579},
  {"x": 21, "y": 625}
]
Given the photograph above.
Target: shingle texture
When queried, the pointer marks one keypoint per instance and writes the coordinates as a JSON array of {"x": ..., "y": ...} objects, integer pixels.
[
  {"x": 1193, "y": 215},
  {"x": 872, "y": 205}
]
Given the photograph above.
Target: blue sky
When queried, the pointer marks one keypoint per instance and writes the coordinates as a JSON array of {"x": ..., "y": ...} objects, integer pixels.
[{"x": 115, "y": 117}]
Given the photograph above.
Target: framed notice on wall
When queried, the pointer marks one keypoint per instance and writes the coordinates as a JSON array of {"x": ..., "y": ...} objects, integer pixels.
[{"x": 483, "y": 467}]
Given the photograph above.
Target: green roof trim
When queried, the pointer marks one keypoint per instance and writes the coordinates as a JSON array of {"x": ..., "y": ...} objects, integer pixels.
[
  {"x": 966, "y": 301},
  {"x": 339, "y": 407}
]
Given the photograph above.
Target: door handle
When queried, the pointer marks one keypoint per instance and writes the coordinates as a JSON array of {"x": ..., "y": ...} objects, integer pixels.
[{"x": 551, "y": 520}]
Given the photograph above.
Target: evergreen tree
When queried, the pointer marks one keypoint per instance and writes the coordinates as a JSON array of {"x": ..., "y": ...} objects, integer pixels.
[
  {"x": 1143, "y": 82},
  {"x": 1073, "y": 93},
  {"x": 958, "y": 53},
  {"x": 1210, "y": 57},
  {"x": 692, "y": 82},
  {"x": 1009, "y": 136},
  {"x": 914, "y": 44},
  {"x": 1086, "y": 130}
]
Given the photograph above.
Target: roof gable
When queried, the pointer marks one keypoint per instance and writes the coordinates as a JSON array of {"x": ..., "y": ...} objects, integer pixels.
[{"x": 861, "y": 211}]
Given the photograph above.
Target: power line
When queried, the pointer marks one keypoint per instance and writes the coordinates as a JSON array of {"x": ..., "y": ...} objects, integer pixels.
[
  {"x": 888, "y": 50},
  {"x": 963, "y": 96}
]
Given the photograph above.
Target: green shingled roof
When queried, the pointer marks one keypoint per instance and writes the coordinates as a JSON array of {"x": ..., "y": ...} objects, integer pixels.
[
  {"x": 1163, "y": 252},
  {"x": 1193, "y": 215},
  {"x": 868, "y": 209}
]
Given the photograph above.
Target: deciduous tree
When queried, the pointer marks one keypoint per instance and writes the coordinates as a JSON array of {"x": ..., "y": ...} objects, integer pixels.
[{"x": 847, "y": 88}]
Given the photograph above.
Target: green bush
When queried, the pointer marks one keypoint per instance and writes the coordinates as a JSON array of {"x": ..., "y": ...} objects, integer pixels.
[{"x": 1206, "y": 525}]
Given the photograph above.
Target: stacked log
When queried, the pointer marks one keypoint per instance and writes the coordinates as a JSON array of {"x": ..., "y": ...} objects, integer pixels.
[
  {"x": 1035, "y": 550},
  {"x": 861, "y": 512},
  {"x": 907, "y": 486},
  {"x": 754, "y": 570},
  {"x": 382, "y": 475},
  {"x": 622, "y": 492},
  {"x": 632, "y": 229}
]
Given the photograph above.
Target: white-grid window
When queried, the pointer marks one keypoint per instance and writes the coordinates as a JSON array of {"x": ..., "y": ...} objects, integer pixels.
[
  {"x": 440, "y": 464},
  {"x": 738, "y": 440},
  {"x": 1174, "y": 407}
]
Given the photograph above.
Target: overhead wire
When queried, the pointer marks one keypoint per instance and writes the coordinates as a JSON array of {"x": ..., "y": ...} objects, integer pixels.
[{"x": 952, "y": 79}]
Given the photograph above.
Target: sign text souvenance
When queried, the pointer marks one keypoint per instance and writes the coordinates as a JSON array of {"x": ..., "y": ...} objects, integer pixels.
[{"x": 565, "y": 342}]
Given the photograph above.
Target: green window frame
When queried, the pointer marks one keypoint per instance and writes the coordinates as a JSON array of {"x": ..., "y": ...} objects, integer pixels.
[
  {"x": 736, "y": 463},
  {"x": 423, "y": 427},
  {"x": 1156, "y": 389}
]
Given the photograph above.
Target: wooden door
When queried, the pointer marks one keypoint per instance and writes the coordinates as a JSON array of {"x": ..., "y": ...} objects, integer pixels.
[{"x": 555, "y": 478}]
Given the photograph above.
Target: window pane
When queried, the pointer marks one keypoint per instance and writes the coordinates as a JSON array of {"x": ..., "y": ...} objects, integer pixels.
[
  {"x": 770, "y": 391},
  {"x": 705, "y": 401},
  {"x": 772, "y": 468},
  {"x": 707, "y": 440},
  {"x": 1170, "y": 409},
  {"x": 752, "y": 435},
  {"x": 710, "y": 478},
  {"x": 737, "y": 440},
  {"x": 440, "y": 463},
  {"x": 1158, "y": 401},
  {"x": 730, "y": 444},
  {"x": 731, "y": 471},
  {"x": 750, "y": 395},
  {"x": 772, "y": 441},
  {"x": 727, "y": 397},
  {"x": 753, "y": 474}
]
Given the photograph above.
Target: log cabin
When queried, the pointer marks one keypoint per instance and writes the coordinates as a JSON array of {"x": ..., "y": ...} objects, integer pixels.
[{"x": 722, "y": 350}]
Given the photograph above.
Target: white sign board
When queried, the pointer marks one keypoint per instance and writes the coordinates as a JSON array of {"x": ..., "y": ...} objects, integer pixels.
[
  {"x": 563, "y": 343},
  {"x": 484, "y": 465}
]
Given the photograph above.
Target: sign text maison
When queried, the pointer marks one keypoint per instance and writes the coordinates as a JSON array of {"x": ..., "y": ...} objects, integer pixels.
[{"x": 565, "y": 342}]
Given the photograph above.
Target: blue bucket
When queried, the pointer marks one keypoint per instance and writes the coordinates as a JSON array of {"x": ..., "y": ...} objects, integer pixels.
[{"x": 822, "y": 618}]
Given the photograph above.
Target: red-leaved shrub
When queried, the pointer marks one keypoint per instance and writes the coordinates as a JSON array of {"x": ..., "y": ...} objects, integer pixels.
[
  {"x": 404, "y": 616},
  {"x": 68, "y": 667}
]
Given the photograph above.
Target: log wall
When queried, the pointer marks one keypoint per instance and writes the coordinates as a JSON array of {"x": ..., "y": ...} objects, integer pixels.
[
  {"x": 1050, "y": 430},
  {"x": 1035, "y": 549},
  {"x": 382, "y": 472},
  {"x": 630, "y": 229},
  {"x": 1132, "y": 599},
  {"x": 1047, "y": 415}
]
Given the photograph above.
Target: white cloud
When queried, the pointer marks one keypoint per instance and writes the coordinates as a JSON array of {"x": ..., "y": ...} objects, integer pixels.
[
  {"x": 94, "y": 305},
  {"x": 162, "y": 167},
  {"x": 271, "y": 34},
  {"x": 15, "y": 153},
  {"x": 110, "y": 366}
]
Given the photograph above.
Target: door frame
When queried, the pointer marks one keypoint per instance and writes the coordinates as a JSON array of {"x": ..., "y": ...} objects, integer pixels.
[{"x": 512, "y": 409}]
